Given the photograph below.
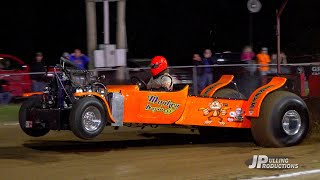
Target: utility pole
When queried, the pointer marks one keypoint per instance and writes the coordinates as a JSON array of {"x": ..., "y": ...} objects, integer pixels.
[
  {"x": 91, "y": 30},
  {"x": 106, "y": 23},
  {"x": 121, "y": 39},
  {"x": 278, "y": 13}
]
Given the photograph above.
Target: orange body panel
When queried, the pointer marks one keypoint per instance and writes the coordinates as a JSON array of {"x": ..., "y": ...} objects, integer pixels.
[
  {"x": 221, "y": 113},
  {"x": 153, "y": 107},
  {"x": 254, "y": 102},
  {"x": 211, "y": 89},
  {"x": 150, "y": 107},
  {"x": 123, "y": 88}
]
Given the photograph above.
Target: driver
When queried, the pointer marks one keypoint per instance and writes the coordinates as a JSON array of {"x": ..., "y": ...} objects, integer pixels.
[{"x": 161, "y": 79}]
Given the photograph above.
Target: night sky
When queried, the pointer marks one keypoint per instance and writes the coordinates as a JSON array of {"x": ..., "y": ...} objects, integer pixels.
[{"x": 175, "y": 29}]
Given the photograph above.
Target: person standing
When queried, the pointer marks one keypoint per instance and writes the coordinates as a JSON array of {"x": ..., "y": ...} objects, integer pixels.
[
  {"x": 38, "y": 67},
  {"x": 274, "y": 62},
  {"x": 263, "y": 60},
  {"x": 283, "y": 62},
  {"x": 206, "y": 77},
  {"x": 79, "y": 59},
  {"x": 196, "y": 61},
  {"x": 283, "y": 58},
  {"x": 247, "y": 56},
  {"x": 5, "y": 97}
]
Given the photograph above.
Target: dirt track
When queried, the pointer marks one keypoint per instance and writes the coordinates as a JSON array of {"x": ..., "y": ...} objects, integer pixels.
[{"x": 163, "y": 153}]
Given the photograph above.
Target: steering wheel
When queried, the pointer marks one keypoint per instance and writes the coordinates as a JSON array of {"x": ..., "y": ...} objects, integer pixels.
[{"x": 141, "y": 84}]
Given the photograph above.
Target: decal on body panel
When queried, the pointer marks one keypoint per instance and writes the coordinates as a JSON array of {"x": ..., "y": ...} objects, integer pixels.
[
  {"x": 155, "y": 104},
  {"x": 216, "y": 109}
]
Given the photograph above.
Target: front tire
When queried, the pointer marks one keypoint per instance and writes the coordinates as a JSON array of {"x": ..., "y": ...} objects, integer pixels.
[
  {"x": 87, "y": 118},
  {"x": 24, "y": 116},
  {"x": 283, "y": 120}
]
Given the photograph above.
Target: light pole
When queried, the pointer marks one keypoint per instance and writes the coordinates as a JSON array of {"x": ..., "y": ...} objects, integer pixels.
[
  {"x": 278, "y": 13},
  {"x": 253, "y": 6},
  {"x": 250, "y": 30}
]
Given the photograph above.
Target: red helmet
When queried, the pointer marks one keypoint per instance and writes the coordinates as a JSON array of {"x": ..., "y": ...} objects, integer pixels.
[{"x": 158, "y": 64}]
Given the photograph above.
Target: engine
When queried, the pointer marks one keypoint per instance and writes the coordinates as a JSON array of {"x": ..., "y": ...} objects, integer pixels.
[{"x": 59, "y": 92}]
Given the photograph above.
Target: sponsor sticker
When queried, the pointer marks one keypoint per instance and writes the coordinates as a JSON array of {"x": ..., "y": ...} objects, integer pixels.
[
  {"x": 155, "y": 104},
  {"x": 250, "y": 112},
  {"x": 232, "y": 114}
]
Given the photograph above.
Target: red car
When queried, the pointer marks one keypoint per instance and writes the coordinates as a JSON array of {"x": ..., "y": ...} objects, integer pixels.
[{"x": 14, "y": 72}]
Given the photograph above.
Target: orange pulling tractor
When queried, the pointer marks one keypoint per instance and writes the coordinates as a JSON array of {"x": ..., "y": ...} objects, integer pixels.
[{"x": 277, "y": 118}]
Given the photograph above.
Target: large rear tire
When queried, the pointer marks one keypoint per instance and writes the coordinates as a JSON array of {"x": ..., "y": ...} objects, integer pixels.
[
  {"x": 24, "y": 116},
  {"x": 87, "y": 118},
  {"x": 283, "y": 120}
]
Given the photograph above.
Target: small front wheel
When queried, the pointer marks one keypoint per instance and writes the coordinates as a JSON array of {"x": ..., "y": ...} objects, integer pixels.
[{"x": 87, "y": 118}]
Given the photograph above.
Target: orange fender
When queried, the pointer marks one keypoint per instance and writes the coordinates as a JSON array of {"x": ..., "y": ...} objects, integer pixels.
[
  {"x": 254, "y": 102},
  {"x": 97, "y": 95},
  {"x": 211, "y": 89}
]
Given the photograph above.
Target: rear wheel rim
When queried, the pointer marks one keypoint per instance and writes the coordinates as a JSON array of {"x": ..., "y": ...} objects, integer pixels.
[
  {"x": 91, "y": 119},
  {"x": 291, "y": 122}
]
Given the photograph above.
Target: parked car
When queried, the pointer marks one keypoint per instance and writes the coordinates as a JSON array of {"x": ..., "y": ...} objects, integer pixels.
[{"x": 15, "y": 73}]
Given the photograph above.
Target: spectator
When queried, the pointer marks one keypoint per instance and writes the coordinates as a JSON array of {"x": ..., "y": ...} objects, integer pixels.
[
  {"x": 273, "y": 68},
  {"x": 247, "y": 57},
  {"x": 247, "y": 54},
  {"x": 263, "y": 60},
  {"x": 79, "y": 59},
  {"x": 206, "y": 76},
  {"x": 196, "y": 60},
  {"x": 283, "y": 60},
  {"x": 37, "y": 67},
  {"x": 5, "y": 97}
]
